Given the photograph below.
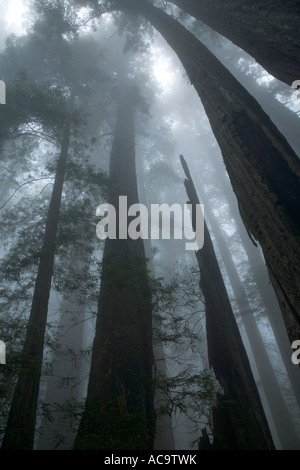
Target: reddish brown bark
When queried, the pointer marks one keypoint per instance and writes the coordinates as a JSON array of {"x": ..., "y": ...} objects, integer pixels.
[{"x": 119, "y": 412}]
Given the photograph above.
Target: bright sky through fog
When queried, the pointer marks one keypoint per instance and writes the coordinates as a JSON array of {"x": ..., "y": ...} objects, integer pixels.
[
  {"x": 162, "y": 69},
  {"x": 14, "y": 16}
]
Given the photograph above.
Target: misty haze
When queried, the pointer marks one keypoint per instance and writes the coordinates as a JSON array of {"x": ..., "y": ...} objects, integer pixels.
[{"x": 117, "y": 331}]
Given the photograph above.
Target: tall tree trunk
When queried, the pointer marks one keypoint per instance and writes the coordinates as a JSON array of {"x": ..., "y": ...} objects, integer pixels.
[
  {"x": 239, "y": 419},
  {"x": 268, "y": 30},
  {"x": 19, "y": 433},
  {"x": 278, "y": 409},
  {"x": 119, "y": 412},
  {"x": 264, "y": 170}
]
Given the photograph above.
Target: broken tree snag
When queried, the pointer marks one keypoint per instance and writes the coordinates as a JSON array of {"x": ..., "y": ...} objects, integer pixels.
[{"x": 239, "y": 421}]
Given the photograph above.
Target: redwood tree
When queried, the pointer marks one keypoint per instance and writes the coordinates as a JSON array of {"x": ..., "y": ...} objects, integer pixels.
[
  {"x": 264, "y": 170},
  {"x": 20, "y": 427},
  {"x": 268, "y": 30},
  {"x": 119, "y": 411},
  {"x": 19, "y": 434}
]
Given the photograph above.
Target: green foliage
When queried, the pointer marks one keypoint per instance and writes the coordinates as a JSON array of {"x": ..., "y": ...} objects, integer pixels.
[
  {"x": 40, "y": 107},
  {"x": 70, "y": 412},
  {"x": 112, "y": 427},
  {"x": 137, "y": 30},
  {"x": 190, "y": 392},
  {"x": 177, "y": 308},
  {"x": 29, "y": 103},
  {"x": 23, "y": 227},
  {"x": 185, "y": 387},
  {"x": 54, "y": 19}
]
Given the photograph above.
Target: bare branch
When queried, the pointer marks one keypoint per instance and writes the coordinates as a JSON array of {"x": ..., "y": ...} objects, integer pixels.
[{"x": 23, "y": 184}]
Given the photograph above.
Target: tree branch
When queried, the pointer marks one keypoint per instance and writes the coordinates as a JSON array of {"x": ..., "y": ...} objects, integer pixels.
[{"x": 21, "y": 185}]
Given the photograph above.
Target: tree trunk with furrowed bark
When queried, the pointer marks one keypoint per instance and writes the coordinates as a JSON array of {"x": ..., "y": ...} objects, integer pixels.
[
  {"x": 268, "y": 30},
  {"x": 119, "y": 412},
  {"x": 264, "y": 170}
]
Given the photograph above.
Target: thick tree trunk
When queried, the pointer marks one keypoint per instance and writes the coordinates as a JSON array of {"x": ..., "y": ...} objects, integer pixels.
[
  {"x": 268, "y": 30},
  {"x": 239, "y": 419},
  {"x": 286, "y": 120},
  {"x": 119, "y": 412},
  {"x": 19, "y": 434},
  {"x": 264, "y": 171}
]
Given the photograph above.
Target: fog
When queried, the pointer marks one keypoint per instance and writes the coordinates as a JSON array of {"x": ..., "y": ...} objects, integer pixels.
[{"x": 138, "y": 343}]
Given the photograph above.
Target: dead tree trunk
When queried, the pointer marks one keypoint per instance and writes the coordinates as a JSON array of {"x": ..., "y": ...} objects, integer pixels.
[{"x": 239, "y": 419}]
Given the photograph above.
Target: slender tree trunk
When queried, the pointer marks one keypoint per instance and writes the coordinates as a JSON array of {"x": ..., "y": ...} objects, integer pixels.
[
  {"x": 280, "y": 415},
  {"x": 268, "y": 30},
  {"x": 264, "y": 170},
  {"x": 239, "y": 419},
  {"x": 119, "y": 412},
  {"x": 19, "y": 434}
]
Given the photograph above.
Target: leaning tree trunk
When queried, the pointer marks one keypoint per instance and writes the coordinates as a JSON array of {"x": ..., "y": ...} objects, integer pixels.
[
  {"x": 239, "y": 419},
  {"x": 119, "y": 411},
  {"x": 264, "y": 171},
  {"x": 19, "y": 433},
  {"x": 268, "y": 30}
]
